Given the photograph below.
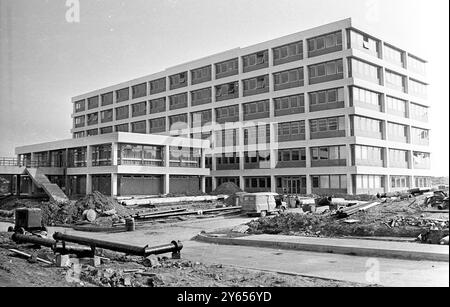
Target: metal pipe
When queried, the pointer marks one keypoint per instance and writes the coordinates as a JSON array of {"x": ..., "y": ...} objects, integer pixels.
[
  {"x": 119, "y": 247},
  {"x": 174, "y": 246},
  {"x": 198, "y": 212},
  {"x": 24, "y": 239}
]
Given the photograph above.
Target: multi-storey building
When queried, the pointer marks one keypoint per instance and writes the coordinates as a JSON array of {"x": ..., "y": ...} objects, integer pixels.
[{"x": 328, "y": 110}]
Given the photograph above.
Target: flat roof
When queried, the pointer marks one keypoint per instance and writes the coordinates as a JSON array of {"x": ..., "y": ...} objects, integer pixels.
[{"x": 116, "y": 137}]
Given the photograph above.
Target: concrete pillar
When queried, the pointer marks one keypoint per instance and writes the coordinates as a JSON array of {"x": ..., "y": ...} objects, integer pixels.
[
  {"x": 350, "y": 184},
  {"x": 348, "y": 149},
  {"x": 213, "y": 183},
  {"x": 308, "y": 157},
  {"x": 386, "y": 162},
  {"x": 410, "y": 159},
  {"x": 203, "y": 184},
  {"x": 167, "y": 156},
  {"x": 89, "y": 156},
  {"x": 202, "y": 159},
  {"x": 242, "y": 183},
  {"x": 88, "y": 184},
  {"x": 241, "y": 156},
  {"x": 114, "y": 154},
  {"x": 114, "y": 187},
  {"x": 308, "y": 184},
  {"x": 166, "y": 184},
  {"x": 273, "y": 184},
  {"x": 387, "y": 184}
]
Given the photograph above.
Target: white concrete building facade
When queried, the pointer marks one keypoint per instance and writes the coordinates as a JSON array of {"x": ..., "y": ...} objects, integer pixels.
[{"x": 330, "y": 110}]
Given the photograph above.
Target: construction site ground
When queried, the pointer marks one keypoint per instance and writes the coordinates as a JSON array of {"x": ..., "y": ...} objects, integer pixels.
[{"x": 401, "y": 218}]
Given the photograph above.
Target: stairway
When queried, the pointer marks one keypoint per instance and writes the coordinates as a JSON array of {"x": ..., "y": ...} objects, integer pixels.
[{"x": 41, "y": 181}]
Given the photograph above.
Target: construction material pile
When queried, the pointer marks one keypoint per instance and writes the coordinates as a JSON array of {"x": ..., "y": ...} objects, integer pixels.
[
  {"x": 95, "y": 208},
  {"x": 227, "y": 188},
  {"x": 391, "y": 219}
]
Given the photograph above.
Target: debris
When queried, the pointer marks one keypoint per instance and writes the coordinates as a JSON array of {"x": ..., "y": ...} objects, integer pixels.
[
  {"x": 352, "y": 221},
  {"x": 151, "y": 261},
  {"x": 444, "y": 241},
  {"x": 241, "y": 228},
  {"x": 28, "y": 256},
  {"x": 227, "y": 188},
  {"x": 90, "y": 215},
  {"x": 63, "y": 261}
]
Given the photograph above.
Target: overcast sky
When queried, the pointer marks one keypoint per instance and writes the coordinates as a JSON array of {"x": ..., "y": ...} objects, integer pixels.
[{"x": 44, "y": 60}]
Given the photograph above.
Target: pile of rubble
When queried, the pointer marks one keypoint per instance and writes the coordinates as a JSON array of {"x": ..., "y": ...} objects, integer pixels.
[
  {"x": 95, "y": 208},
  {"x": 227, "y": 188}
]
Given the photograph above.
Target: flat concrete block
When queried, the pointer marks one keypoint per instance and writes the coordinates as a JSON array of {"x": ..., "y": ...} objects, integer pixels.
[
  {"x": 63, "y": 261},
  {"x": 95, "y": 261}
]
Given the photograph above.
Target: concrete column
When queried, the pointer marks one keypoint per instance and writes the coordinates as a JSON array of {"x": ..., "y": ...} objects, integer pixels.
[
  {"x": 348, "y": 126},
  {"x": 410, "y": 159},
  {"x": 273, "y": 184},
  {"x": 350, "y": 184},
  {"x": 202, "y": 159},
  {"x": 307, "y": 130},
  {"x": 387, "y": 183},
  {"x": 348, "y": 149},
  {"x": 384, "y": 130},
  {"x": 386, "y": 162},
  {"x": 213, "y": 183},
  {"x": 114, "y": 154},
  {"x": 242, "y": 183},
  {"x": 114, "y": 187},
  {"x": 308, "y": 157},
  {"x": 408, "y": 134},
  {"x": 241, "y": 156},
  {"x": 203, "y": 184},
  {"x": 166, "y": 184},
  {"x": 89, "y": 156},
  {"x": 88, "y": 184},
  {"x": 167, "y": 156},
  {"x": 308, "y": 184}
]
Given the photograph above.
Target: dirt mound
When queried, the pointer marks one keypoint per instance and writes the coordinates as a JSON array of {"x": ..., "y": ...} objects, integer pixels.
[{"x": 227, "y": 188}]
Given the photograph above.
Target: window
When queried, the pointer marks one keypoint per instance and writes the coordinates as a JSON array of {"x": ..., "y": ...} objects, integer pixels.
[
  {"x": 93, "y": 103},
  {"x": 123, "y": 95},
  {"x": 364, "y": 70},
  {"x": 122, "y": 113},
  {"x": 227, "y": 91},
  {"x": 92, "y": 132},
  {"x": 325, "y": 44},
  {"x": 393, "y": 55},
  {"x": 288, "y": 53},
  {"x": 139, "y": 127},
  {"x": 80, "y": 106},
  {"x": 418, "y": 112},
  {"x": 419, "y": 136},
  {"x": 178, "y": 101},
  {"x": 397, "y": 131},
  {"x": 327, "y": 96},
  {"x": 421, "y": 160},
  {"x": 122, "y": 128},
  {"x": 227, "y": 114},
  {"x": 256, "y": 60},
  {"x": 107, "y": 99},
  {"x": 256, "y": 85},
  {"x": 139, "y": 91},
  {"x": 369, "y": 181},
  {"x": 226, "y": 138},
  {"x": 158, "y": 86},
  {"x": 106, "y": 130},
  {"x": 202, "y": 96},
  {"x": 158, "y": 125},
  {"x": 396, "y": 105},
  {"x": 319, "y": 71},
  {"x": 289, "y": 105},
  {"x": 364, "y": 42},
  {"x": 327, "y": 124},
  {"x": 178, "y": 80},
  {"x": 255, "y": 108},
  {"x": 329, "y": 153},
  {"x": 398, "y": 158},
  {"x": 417, "y": 88},
  {"x": 92, "y": 119},
  {"x": 227, "y": 68},
  {"x": 201, "y": 74},
  {"x": 158, "y": 105},
  {"x": 106, "y": 116},
  {"x": 366, "y": 97},
  {"x": 79, "y": 121},
  {"x": 368, "y": 125},
  {"x": 368, "y": 153},
  {"x": 78, "y": 135},
  {"x": 257, "y": 135},
  {"x": 178, "y": 121},
  {"x": 198, "y": 119},
  {"x": 294, "y": 77},
  {"x": 395, "y": 81},
  {"x": 416, "y": 65}
]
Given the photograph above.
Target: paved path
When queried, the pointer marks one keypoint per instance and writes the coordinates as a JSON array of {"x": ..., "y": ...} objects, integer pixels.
[{"x": 386, "y": 272}]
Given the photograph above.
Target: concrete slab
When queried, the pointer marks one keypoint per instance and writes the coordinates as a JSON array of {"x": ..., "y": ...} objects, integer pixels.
[{"x": 356, "y": 247}]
